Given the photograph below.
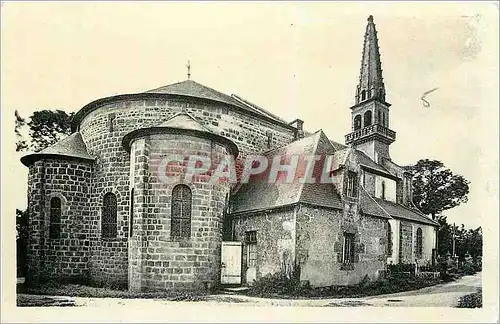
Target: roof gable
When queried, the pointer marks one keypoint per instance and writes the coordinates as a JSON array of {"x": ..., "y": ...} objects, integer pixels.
[
  {"x": 184, "y": 120},
  {"x": 259, "y": 194}
]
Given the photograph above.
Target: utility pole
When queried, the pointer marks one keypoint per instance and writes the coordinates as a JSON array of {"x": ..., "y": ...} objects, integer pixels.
[{"x": 453, "y": 240}]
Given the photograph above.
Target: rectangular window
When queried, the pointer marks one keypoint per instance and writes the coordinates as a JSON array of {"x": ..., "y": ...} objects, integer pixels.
[
  {"x": 352, "y": 184},
  {"x": 348, "y": 249},
  {"x": 111, "y": 121},
  {"x": 251, "y": 242},
  {"x": 269, "y": 139}
]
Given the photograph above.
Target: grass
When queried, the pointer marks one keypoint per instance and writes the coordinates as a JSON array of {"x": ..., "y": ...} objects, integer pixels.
[
  {"x": 474, "y": 300},
  {"x": 78, "y": 290}
]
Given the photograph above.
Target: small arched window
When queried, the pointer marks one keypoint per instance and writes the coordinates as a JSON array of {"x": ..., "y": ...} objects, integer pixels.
[
  {"x": 363, "y": 95},
  {"x": 380, "y": 121},
  {"x": 109, "y": 216},
  {"x": 180, "y": 225},
  {"x": 419, "y": 243},
  {"x": 368, "y": 118},
  {"x": 382, "y": 94},
  {"x": 389, "y": 239},
  {"x": 357, "y": 122},
  {"x": 55, "y": 218}
]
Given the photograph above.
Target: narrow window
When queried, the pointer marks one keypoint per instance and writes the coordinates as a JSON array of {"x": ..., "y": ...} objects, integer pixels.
[
  {"x": 383, "y": 190},
  {"x": 368, "y": 118},
  {"x": 382, "y": 94},
  {"x": 109, "y": 216},
  {"x": 55, "y": 218},
  {"x": 269, "y": 139},
  {"x": 380, "y": 121},
  {"x": 389, "y": 239},
  {"x": 131, "y": 230},
  {"x": 384, "y": 122},
  {"x": 348, "y": 249},
  {"x": 111, "y": 121},
  {"x": 352, "y": 184},
  {"x": 180, "y": 224},
  {"x": 251, "y": 243},
  {"x": 419, "y": 243},
  {"x": 363, "y": 95},
  {"x": 357, "y": 122}
]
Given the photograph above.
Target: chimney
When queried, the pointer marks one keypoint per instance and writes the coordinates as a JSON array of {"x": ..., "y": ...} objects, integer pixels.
[{"x": 299, "y": 125}]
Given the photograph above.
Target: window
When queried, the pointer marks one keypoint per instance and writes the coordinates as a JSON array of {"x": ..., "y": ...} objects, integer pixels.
[
  {"x": 251, "y": 242},
  {"x": 357, "y": 122},
  {"x": 180, "y": 224},
  {"x": 383, "y": 190},
  {"x": 363, "y": 95},
  {"x": 131, "y": 230},
  {"x": 109, "y": 213},
  {"x": 348, "y": 249},
  {"x": 419, "y": 243},
  {"x": 389, "y": 239},
  {"x": 380, "y": 121},
  {"x": 368, "y": 118},
  {"x": 111, "y": 121},
  {"x": 55, "y": 218},
  {"x": 269, "y": 139},
  {"x": 352, "y": 184},
  {"x": 382, "y": 94}
]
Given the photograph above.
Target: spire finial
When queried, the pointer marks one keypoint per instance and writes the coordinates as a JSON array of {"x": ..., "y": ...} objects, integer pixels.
[
  {"x": 370, "y": 18},
  {"x": 189, "y": 69}
]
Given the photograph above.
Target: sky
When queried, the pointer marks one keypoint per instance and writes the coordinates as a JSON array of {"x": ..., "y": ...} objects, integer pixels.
[{"x": 295, "y": 59}]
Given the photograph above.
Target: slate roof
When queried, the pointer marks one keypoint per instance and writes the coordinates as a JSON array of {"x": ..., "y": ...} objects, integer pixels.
[
  {"x": 402, "y": 212},
  {"x": 182, "y": 121},
  {"x": 340, "y": 156},
  {"x": 370, "y": 206},
  {"x": 191, "y": 88},
  {"x": 72, "y": 146},
  {"x": 259, "y": 194}
]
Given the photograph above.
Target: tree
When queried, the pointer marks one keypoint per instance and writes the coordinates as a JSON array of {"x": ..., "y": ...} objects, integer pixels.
[
  {"x": 46, "y": 127},
  {"x": 436, "y": 188}
]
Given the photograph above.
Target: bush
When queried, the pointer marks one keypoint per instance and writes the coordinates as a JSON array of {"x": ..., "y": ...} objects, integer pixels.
[{"x": 474, "y": 300}]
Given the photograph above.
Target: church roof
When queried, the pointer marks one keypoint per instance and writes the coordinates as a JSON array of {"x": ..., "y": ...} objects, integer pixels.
[
  {"x": 72, "y": 146},
  {"x": 370, "y": 206},
  {"x": 194, "y": 89},
  {"x": 341, "y": 156},
  {"x": 181, "y": 122},
  {"x": 184, "y": 120},
  {"x": 402, "y": 212},
  {"x": 258, "y": 194}
]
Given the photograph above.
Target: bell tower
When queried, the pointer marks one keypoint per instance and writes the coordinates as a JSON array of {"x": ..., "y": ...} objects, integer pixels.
[{"x": 370, "y": 131}]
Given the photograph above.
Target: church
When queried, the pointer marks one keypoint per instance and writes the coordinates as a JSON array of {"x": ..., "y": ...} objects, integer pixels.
[{"x": 99, "y": 212}]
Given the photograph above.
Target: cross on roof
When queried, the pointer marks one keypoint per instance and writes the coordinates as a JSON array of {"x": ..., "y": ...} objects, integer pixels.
[{"x": 189, "y": 69}]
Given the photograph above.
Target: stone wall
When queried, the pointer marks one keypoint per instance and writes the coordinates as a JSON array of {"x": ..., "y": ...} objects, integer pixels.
[
  {"x": 103, "y": 130},
  {"x": 275, "y": 240},
  {"x": 65, "y": 257},
  {"x": 320, "y": 237},
  {"x": 406, "y": 242},
  {"x": 157, "y": 260}
]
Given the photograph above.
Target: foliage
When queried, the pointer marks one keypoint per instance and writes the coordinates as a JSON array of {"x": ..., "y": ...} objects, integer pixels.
[
  {"x": 436, "y": 188},
  {"x": 468, "y": 242},
  {"x": 45, "y": 128},
  {"x": 21, "y": 240},
  {"x": 474, "y": 300},
  {"x": 277, "y": 285}
]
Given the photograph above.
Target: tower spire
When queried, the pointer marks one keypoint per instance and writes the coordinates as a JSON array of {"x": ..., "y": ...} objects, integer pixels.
[{"x": 371, "y": 83}]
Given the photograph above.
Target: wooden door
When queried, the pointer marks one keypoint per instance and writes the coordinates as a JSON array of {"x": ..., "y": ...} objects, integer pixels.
[{"x": 231, "y": 263}]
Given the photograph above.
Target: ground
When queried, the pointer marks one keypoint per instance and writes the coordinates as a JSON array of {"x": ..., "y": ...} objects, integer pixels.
[{"x": 442, "y": 295}]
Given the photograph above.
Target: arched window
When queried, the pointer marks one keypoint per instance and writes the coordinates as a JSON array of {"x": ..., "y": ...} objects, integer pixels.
[
  {"x": 109, "y": 216},
  {"x": 55, "y": 218},
  {"x": 180, "y": 226},
  {"x": 357, "y": 122},
  {"x": 389, "y": 239},
  {"x": 368, "y": 118},
  {"x": 382, "y": 94},
  {"x": 419, "y": 243},
  {"x": 380, "y": 121},
  {"x": 363, "y": 95},
  {"x": 383, "y": 189}
]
